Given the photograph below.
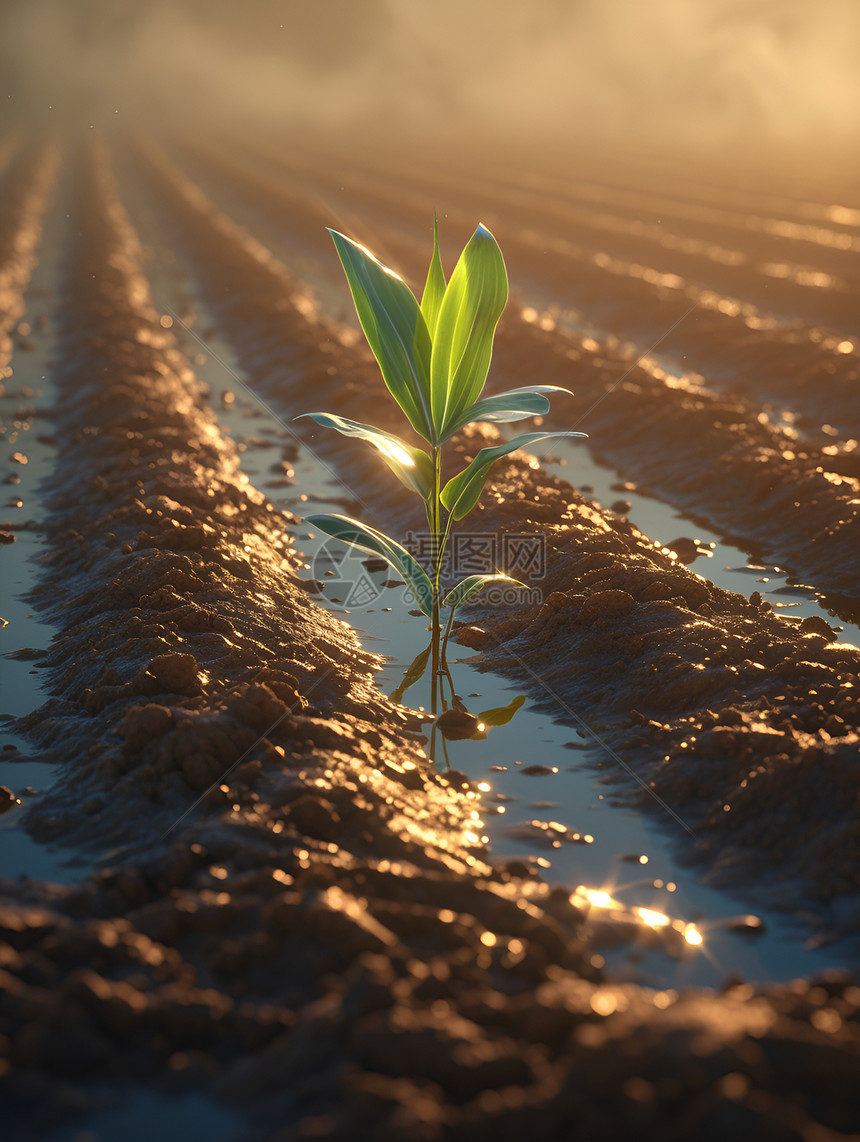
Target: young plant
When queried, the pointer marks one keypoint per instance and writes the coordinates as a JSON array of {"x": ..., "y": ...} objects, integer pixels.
[{"x": 434, "y": 357}]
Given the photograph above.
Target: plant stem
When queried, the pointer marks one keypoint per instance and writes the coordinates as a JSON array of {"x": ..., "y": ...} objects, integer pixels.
[
  {"x": 446, "y": 673},
  {"x": 434, "y": 705},
  {"x": 444, "y": 652},
  {"x": 437, "y": 557},
  {"x": 438, "y": 545}
]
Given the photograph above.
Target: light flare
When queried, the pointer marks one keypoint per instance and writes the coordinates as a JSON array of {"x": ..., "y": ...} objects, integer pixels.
[
  {"x": 652, "y": 918},
  {"x": 595, "y": 897},
  {"x": 395, "y": 451}
]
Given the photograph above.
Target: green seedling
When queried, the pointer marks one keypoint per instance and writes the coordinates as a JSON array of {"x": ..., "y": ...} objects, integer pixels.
[{"x": 434, "y": 356}]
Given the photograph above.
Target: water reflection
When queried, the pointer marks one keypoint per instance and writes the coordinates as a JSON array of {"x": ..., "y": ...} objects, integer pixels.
[
  {"x": 455, "y": 722},
  {"x": 598, "y": 903}
]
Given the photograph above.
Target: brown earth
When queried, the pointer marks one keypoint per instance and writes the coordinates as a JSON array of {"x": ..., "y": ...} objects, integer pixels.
[
  {"x": 317, "y": 940},
  {"x": 680, "y": 659}
]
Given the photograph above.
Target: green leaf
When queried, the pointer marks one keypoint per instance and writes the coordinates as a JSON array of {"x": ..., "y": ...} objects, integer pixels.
[
  {"x": 517, "y": 404},
  {"x": 434, "y": 287},
  {"x": 467, "y": 588},
  {"x": 463, "y": 338},
  {"x": 394, "y": 327},
  {"x": 413, "y": 674},
  {"x": 369, "y": 539},
  {"x": 462, "y": 492},
  {"x": 412, "y": 466},
  {"x": 501, "y": 715}
]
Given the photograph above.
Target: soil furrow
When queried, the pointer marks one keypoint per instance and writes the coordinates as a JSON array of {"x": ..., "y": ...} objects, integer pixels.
[
  {"x": 718, "y": 186},
  {"x": 193, "y": 673},
  {"x": 717, "y": 685},
  {"x": 770, "y": 273},
  {"x": 733, "y": 333},
  {"x": 781, "y": 288},
  {"x": 25, "y": 192},
  {"x": 318, "y": 944},
  {"x": 771, "y": 236},
  {"x": 716, "y": 457},
  {"x": 737, "y": 345},
  {"x": 762, "y": 236},
  {"x": 710, "y": 454}
]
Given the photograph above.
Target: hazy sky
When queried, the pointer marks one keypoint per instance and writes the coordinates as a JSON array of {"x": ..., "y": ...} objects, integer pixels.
[{"x": 671, "y": 70}]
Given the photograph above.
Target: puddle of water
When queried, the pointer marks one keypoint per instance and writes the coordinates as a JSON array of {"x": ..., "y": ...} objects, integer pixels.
[
  {"x": 574, "y": 796},
  {"x": 141, "y": 1115},
  {"x": 731, "y": 566},
  {"x": 728, "y": 567},
  {"x": 573, "y": 793},
  {"x": 20, "y": 855},
  {"x": 29, "y": 388}
]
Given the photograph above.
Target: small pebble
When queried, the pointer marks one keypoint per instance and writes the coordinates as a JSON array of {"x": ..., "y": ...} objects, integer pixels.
[
  {"x": 685, "y": 548},
  {"x": 751, "y": 925},
  {"x": 7, "y": 799},
  {"x": 457, "y": 725}
]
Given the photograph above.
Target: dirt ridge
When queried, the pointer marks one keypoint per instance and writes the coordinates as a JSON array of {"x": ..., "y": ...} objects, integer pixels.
[
  {"x": 626, "y": 638},
  {"x": 322, "y": 944},
  {"x": 740, "y": 344},
  {"x": 27, "y": 184},
  {"x": 717, "y": 453}
]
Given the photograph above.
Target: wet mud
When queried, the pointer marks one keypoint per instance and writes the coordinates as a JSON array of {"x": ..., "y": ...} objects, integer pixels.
[
  {"x": 788, "y": 485},
  {"x": 27, "y": 184},
  {"x": 705, "y": 694},
  {"x": 782, "y": 360},
  {"x": 290, "y": 911}
]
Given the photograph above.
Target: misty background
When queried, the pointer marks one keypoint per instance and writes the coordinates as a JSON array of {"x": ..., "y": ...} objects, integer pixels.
[{"x": 741, "y": 75}]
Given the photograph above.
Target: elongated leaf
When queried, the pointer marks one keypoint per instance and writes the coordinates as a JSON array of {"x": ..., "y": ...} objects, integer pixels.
[
  {"x": 462, "y": 492},
  {"x": 434, "y": 287},
  {"x": 412, "y": 466},
  {"x": 501, "y": 715},
  {"x": 394, "y": 327},
  {"x": 467, "y": 588},
  {"x": 413, "y": 674},
  {"x": 463, "y": 338},
  {"x": 369, "y": 539},
  {"x": 517, "y": 404}
]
